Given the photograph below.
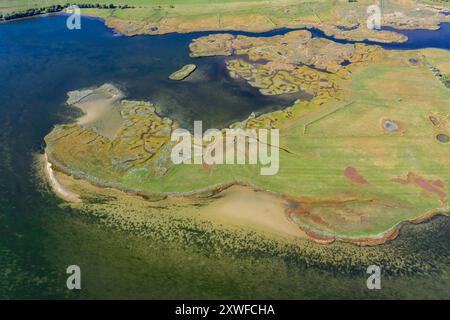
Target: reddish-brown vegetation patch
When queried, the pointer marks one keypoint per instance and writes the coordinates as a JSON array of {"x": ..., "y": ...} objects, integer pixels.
[
  {"x": 353, "y": 176},
  {"x": 389, "y": 235},
  {"x": 207, "y": 168},
  {"x": 297, "y": 210},
  {"x": 436, "y": 187},
  {"x": 319, "y": 239}
]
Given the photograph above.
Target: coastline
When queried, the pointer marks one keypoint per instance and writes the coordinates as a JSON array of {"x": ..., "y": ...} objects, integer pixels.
[
  {"x": 314, "y": 235},
  {"x": 43, "y": 15},
  {"x": 56, "y": 186},
  {"x": 401, "y": 38},
  {"x": 330, "y": 31},
  {"x": 236, "y": 243}
]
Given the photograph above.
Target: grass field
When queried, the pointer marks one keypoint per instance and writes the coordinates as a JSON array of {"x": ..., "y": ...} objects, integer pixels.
[
  {"x": 353, "y": 136},
  {"x": 165, "y": 16}
]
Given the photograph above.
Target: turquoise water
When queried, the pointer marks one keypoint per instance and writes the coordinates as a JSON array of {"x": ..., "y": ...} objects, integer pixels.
[{"x": 40, "y": 60}]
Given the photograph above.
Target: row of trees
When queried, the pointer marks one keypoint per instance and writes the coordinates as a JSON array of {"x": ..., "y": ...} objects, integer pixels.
[
  {"x": 56, "y": 8},
  {"x": 103, "y": 6},
  {"x": 30, "y": 12}
]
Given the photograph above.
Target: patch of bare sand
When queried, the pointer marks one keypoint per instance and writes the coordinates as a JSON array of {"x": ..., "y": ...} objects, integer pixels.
[
  {"x": 101, "y": 110},
  {"x": 244, "y": 207},
  {"x": 239, "y": 208}
]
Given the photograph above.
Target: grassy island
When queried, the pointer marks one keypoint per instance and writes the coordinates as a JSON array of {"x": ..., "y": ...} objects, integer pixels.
[
  {"x": 355, "y": 161},
  {"x": 183, "y": 73}
]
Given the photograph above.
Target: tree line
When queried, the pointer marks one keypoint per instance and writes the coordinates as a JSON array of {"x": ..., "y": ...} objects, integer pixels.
[{"x": 56, "y": 8}]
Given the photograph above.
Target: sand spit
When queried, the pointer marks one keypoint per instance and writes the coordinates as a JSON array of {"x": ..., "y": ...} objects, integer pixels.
[{"x": 56, "y": 186}]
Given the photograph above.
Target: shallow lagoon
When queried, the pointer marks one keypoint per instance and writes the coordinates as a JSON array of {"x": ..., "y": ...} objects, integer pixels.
[{"x": 40, "y": 61}]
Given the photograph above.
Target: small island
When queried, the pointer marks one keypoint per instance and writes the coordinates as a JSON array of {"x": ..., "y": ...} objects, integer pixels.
[{"x": 183, "y": 73}]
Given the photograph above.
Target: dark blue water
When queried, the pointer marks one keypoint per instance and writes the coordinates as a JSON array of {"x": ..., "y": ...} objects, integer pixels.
[
  {"x": 40, "y": 61},
  {"x": 418, "y": 39}
]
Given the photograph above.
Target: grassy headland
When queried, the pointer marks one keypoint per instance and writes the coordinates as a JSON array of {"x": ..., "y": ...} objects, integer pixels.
[{"x": 342, "y": 174}]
